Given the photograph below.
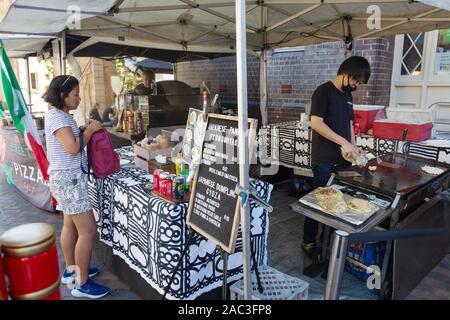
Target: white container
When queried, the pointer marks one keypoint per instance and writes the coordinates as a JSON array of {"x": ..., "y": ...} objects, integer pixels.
[
  {"x": 277, "y": 286},
  {"x": 367, "y": 107},
  {"x": 409, "y": 115}
]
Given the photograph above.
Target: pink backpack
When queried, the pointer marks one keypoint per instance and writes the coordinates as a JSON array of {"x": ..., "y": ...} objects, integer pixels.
[{"x": 102, "y": 158}]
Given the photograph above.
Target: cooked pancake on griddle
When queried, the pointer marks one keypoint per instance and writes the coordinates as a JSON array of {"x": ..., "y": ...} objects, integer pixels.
[
  {"x": 361, "y": 206},
  {"x": 327, "y": 193},
  {"x": 334, "y": 205}
]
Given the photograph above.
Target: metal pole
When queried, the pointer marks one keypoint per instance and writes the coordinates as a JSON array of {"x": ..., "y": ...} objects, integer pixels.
[
  {"x": 225, "y": 271},
  {"x": 241, "y": 59},
  {"x": 263, "y": 85},
  {"x": 63, "y": 53},
  {"x": 337, "y": 265},
  {"x": 27, "y": 64},
  {"x": 263, "y": 66}
]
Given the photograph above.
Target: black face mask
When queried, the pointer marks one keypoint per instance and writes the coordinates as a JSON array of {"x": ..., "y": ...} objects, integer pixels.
[{"x": 347, "y": 88}]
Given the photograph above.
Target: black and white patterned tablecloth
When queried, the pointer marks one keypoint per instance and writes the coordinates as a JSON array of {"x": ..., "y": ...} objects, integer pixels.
[
  {"x": 289, "y": 145},
  {"x": 150, "y": 234}
]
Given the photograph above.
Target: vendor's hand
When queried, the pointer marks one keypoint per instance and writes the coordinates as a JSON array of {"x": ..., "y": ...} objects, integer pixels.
[
  {"x": 349, "y": 150},
  {"x": 94, "y": 126}
]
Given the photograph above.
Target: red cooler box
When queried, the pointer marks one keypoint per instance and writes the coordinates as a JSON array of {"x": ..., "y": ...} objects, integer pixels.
[
  {"x": 417, "y": 132},
  {"x": 365, "y": 115}
]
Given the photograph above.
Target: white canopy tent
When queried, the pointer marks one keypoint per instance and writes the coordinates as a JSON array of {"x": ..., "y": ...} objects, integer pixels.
[
  {"x": 209, "y": 25},
  {"x": 226, "y": 26}
]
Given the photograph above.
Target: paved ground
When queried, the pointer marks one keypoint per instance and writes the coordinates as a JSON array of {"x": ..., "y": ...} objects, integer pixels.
[{"x": 15, "y": 211}]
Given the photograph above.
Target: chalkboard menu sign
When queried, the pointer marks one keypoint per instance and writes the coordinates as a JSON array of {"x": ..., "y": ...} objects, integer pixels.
[{"x": 214, "y": 206}]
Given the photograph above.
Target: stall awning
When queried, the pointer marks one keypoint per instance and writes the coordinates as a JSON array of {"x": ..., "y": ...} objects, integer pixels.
[
  {"x": 209, "y": 25},
  {"x": 47, "y": 16},
  {"x": 23, "y": 46},
  {"x": 111, "y": 48}
]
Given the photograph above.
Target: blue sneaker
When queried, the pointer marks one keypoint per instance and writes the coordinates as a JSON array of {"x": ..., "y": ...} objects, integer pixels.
[
  {"x": 91, "y": 290},
  {"x": 69, "y": 277}
]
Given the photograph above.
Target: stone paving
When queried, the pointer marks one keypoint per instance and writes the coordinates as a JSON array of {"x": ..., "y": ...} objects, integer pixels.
[{"x": 14, "y": 211}]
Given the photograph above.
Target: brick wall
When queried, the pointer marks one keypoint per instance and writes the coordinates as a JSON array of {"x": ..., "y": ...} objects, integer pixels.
[
  {"x": 293, "y": 76},
  {"x": 220, "y": 77}
]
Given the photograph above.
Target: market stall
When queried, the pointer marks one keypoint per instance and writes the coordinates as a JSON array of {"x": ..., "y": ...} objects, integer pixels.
[
  {"x": 197, "y": 27},
  {"x": 150, "y": 233}
]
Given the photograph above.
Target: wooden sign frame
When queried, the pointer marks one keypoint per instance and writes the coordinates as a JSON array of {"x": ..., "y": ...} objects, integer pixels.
[{"x": 230, "y": 246}]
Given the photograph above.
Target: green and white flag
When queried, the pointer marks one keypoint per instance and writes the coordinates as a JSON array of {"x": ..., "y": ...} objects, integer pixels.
[
  {"x": 2, "y": 112},
  {"x": 19, "y": 112}
]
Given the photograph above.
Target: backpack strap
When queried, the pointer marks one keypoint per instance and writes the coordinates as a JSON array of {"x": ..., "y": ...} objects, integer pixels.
[{"x": 85, "y": 171}]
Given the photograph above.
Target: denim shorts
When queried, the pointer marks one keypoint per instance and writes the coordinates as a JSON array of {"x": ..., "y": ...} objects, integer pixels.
[{"x": 70, "y": 189}]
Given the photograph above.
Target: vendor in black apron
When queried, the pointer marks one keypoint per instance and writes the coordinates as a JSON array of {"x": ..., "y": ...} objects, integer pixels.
[{"x": 332, "y": 124}]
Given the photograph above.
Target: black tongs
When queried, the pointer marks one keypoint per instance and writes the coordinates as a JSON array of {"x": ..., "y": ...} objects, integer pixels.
[
  {"x": 405, "y": 133},
  {"x": 358, "y": 194}
]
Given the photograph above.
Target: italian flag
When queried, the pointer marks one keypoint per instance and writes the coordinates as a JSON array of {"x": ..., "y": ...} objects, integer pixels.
[{"x": 19, "y": 112}]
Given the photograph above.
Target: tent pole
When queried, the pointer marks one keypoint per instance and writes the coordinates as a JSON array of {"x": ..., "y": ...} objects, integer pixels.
[
  {"x": 63, "y": 53},
  {"x": 27, "y": 64},
  {"x": 241, "y": 59},
  {"x": 263, "y": 85},
  {"x": 263, "y": 67}
]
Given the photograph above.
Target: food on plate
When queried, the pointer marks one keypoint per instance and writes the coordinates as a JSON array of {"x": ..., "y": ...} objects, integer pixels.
[
  {"x": 327, "y": 193},
  {"x": 361, "y": 206},
  {"x": 195, "y": 154},
  {"x": 189, "y": 135},
  {"x": 201, "y": 123},
  {"x": 192, "y": 118},
  {"x": 333, "y": 205},
  {"x": 432, "y": 170},
  {"x": 186, "y": 149},
  {"x": 372, "y": 168}
]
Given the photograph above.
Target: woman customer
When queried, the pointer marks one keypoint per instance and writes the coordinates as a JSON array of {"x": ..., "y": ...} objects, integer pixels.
[{"x": 68, "y": 185}]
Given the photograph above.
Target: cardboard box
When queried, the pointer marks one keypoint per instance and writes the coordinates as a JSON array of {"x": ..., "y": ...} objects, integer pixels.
[
  {"x": 148, "y": 155},
  {"x": 152, "y": 165}
]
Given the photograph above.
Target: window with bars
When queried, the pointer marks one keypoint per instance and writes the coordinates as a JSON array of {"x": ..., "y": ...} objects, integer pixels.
[{"x": 412, "y": 55}]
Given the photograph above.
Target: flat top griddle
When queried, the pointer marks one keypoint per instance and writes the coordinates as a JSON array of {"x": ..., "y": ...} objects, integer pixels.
[{"x": 389, "y": 181}]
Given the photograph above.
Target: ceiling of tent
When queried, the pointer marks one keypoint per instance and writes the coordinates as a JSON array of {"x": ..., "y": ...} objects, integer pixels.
[{"x": 209, "y": 25}]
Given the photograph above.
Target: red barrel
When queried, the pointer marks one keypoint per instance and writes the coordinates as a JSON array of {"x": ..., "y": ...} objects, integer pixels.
[
  {"x": 3, "y": 291},
  {"x": 31, "y": 262}
]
